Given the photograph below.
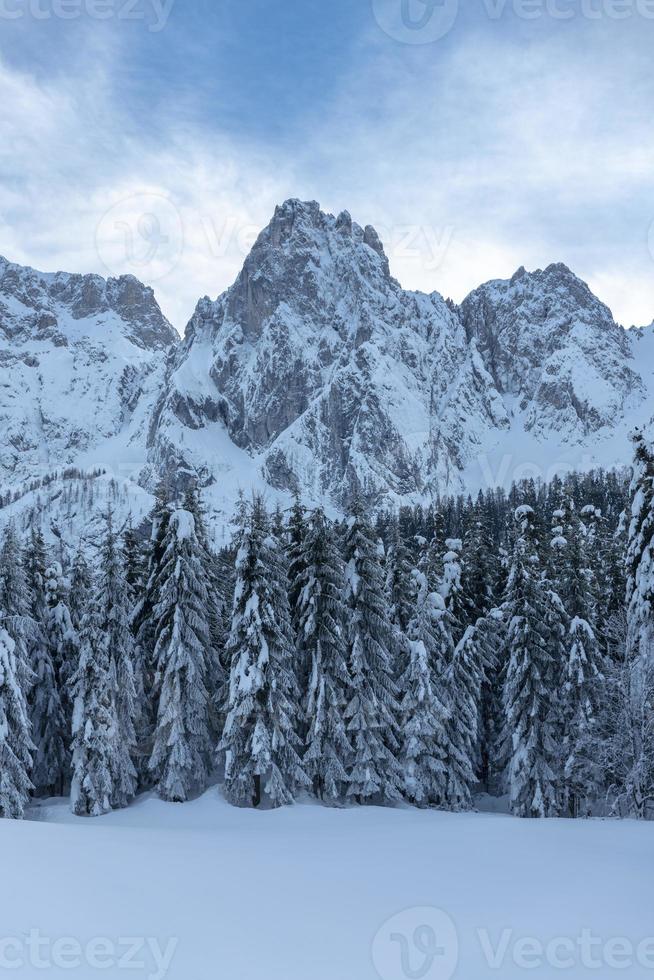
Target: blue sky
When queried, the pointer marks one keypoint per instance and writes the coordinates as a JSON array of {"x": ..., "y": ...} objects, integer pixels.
[{"x": 158, "y": 139}]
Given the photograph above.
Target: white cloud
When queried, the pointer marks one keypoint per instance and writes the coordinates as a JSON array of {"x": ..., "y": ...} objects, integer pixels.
[{"x": 471, "y": 159}]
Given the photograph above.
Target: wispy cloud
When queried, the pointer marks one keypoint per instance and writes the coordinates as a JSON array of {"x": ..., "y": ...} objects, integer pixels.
[{"x": 500, "y": 145}]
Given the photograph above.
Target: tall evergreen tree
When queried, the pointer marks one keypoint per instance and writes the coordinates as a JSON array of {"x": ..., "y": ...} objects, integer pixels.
[
  {"x": 373, "y": 709},
  {"x": 466, "y": 678},
  {"x": 16, "y": 746},
  {"x": 424, "y": 711},
  {"x": 182, "y": 747},
  {"x": 217, "y": 678},
  {"x": 261, "y": 738},
  {"x": 113, "y": 608},
  {"x": 582, "y": 672},
  {"x": 321, "y": 617},
  {"x": 45, "y": 702},
  {"x": 529, "y": 699},
  {"x": 640, "y": 559},
  {"x": 95, "y": 721},
  {"x": 64, "y": 645}
]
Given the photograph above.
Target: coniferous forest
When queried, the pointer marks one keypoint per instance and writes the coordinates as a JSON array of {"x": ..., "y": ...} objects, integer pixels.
[{"x": 500, "y": 645}]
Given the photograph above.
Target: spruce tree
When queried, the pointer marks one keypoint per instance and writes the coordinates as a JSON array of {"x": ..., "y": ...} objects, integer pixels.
[
  {"x": 45, "y": 703},
  {"x": 321, "y": 617},
  {"x": 113, "y": 607},
  {"x": 640, "y": 560},
  {"x": 452, "y": 588},
  {"x": 64, "y": 645},
  {"x": 261, "y": 741},
  {"x": 182, "y": 746},
  {"x": 16, "y": 746},
  {"x": 95, "y": 721},
  {"x": 529, "y": 698},
  {"x": 582, "y": 671},
  {"x": 466, "y": 678},
  {"x": 15, "y": 612},
  {"x": 424, "y": 711},
  {"x": 372, "y": 712},
  {"x": 216, "y": 612}
]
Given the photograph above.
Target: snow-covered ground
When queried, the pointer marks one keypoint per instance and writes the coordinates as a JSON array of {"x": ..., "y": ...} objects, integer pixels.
[{"x": 305, "y": 893}]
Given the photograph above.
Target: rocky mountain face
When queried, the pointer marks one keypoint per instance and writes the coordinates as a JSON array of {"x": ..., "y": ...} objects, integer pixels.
[
  {"x": 81, "y": 361},
  {"x": 322, "y": 367},
  {"x": 554, "y": 350},
  {"x": 316, "y": 372}
]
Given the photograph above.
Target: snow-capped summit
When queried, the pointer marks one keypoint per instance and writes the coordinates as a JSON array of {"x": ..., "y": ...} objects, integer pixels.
[
  {"x": 323, "y": 369},
  {"x": 554, "y": 350}
]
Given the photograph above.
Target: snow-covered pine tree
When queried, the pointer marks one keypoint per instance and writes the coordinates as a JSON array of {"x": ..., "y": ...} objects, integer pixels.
[
  {"x": 479, "y": 571},
  {"x": 15, "y": 612},
  {"x": 217, "y": 678},
  {"x": 45, "y": 704},
  {"x": 321, "y": 617},
  {"x": 375, "y": 774},
  {"x": 430, "y": 561},
  {"x": 640, "y": 557},
  {"x": 452, "y": 589},
  {"x": 79, "y": 595},
  {"x": 95, "y": 720},
  {"x": 424, "y": 711},
  {"x": 399, "y": 586},
  {"x": 466, "y": 678},
  {"x": 16, "y": 746},
  {"x": 627, "y": 714},
  {"x": 114, "y": 611},
  {"x": 529, "y": 695},
  {"x": 582, "y": 673},
  {"x": 143, "y": 618},
  {"x": 135, "y": 570},
  {"x": 144, "y": 625},
  {"x": 64, "y": 645},
  {"x": 182, "y": 746},
  {"x": 261, "y": 741},
  {"x": 48, "y": 722}
]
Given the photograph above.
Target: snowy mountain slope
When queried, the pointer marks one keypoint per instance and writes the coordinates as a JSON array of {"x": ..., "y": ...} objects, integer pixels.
[
  {"x": 316, "y": 372},
  {"x": 69, "y": 509},
  {"x": 81, "y": 362}
]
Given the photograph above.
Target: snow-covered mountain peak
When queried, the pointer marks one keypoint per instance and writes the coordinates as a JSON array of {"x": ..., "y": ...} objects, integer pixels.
[
  {"x": 74, "y": 305},
  {"x": 554, "y": 349},
  {"x": 316, "y": 372},
  {"x": 81, "y": 358},
  {"x": 319, "y": 361}
]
